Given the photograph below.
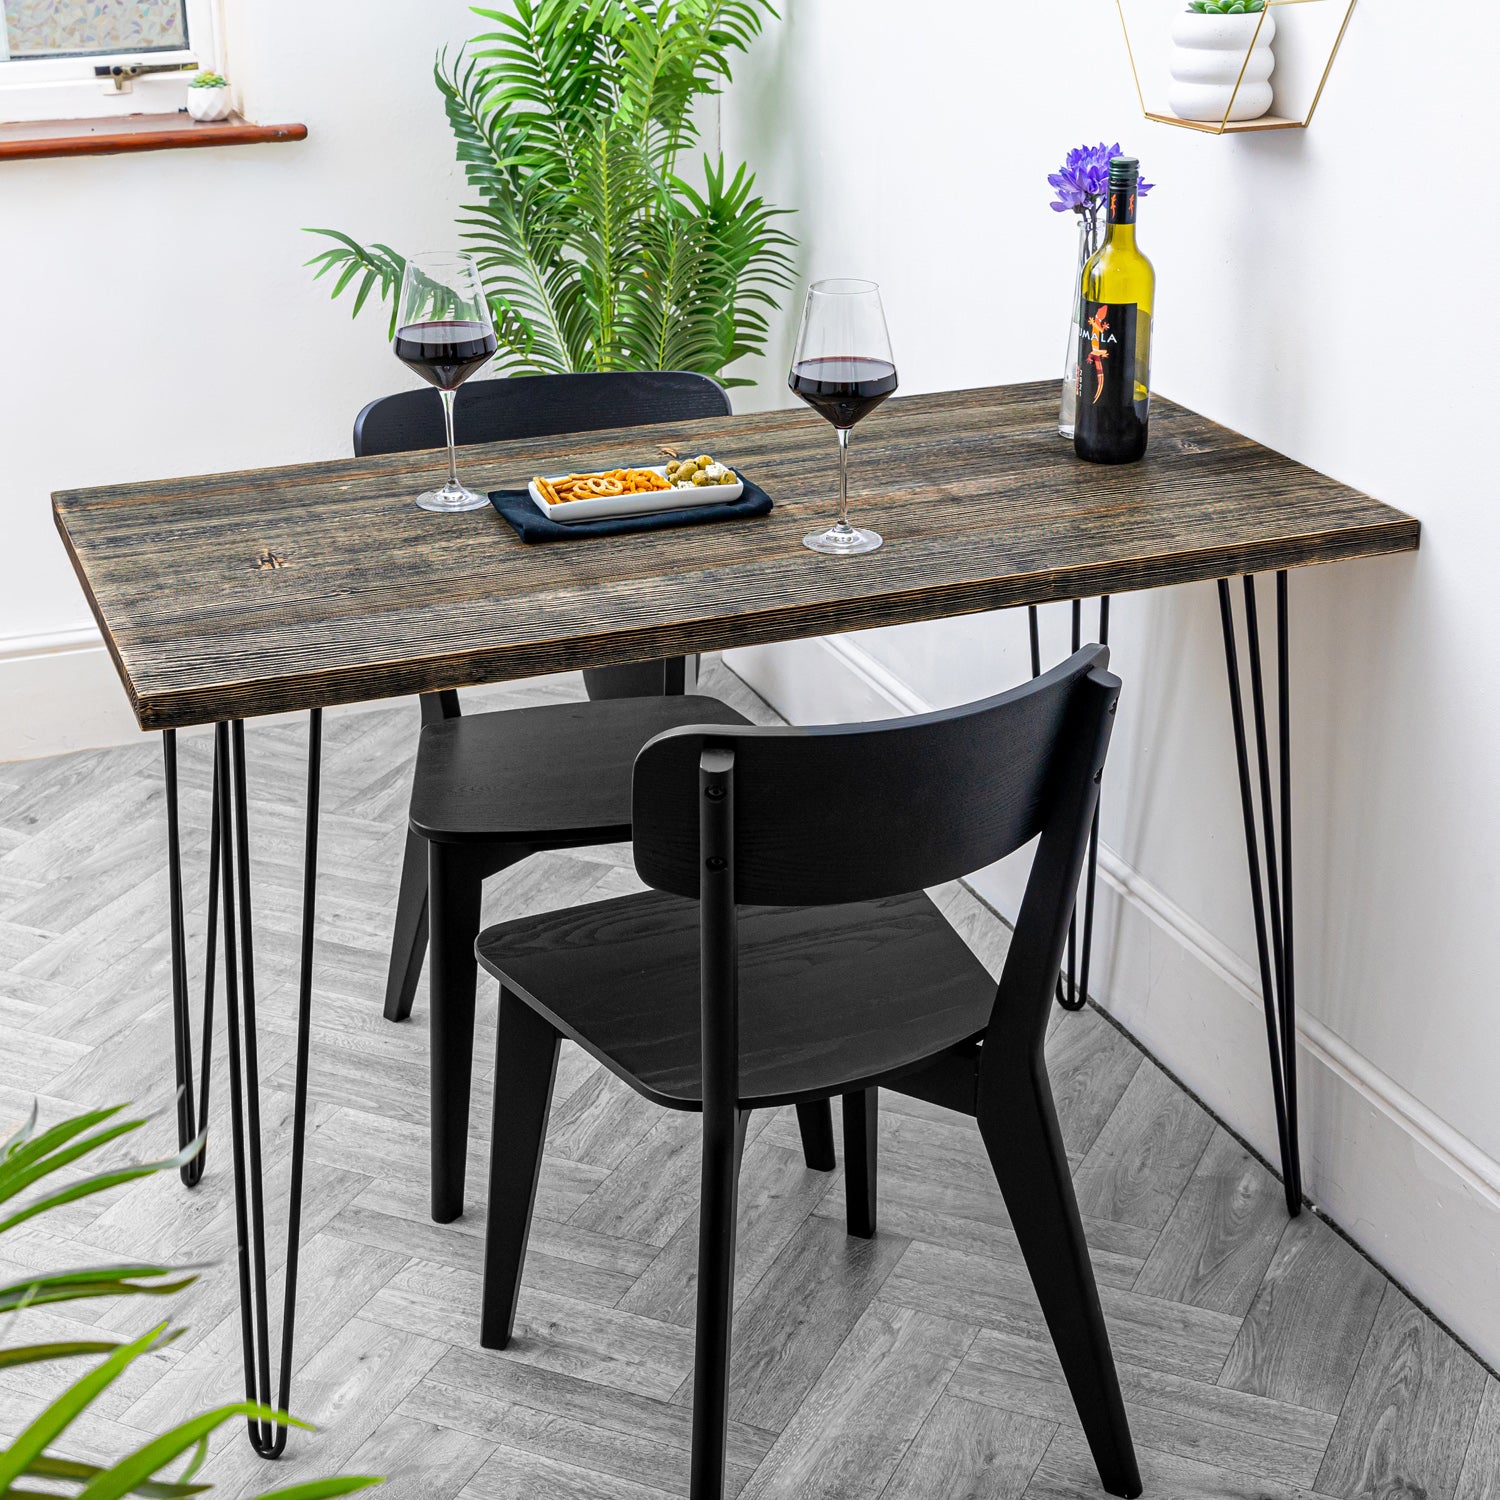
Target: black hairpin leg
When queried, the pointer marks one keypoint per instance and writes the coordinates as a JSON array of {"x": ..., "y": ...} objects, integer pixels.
[
  {"x": 1073, "y": 982},
  {"x": 230, "y": 875},
  {"x": 1273, "y": 949},
  {"x": 190, "y": 1118}
]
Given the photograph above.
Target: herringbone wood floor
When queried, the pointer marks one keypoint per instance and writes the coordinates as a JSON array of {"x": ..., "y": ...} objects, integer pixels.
[{"x": 1260, "y": 1358}]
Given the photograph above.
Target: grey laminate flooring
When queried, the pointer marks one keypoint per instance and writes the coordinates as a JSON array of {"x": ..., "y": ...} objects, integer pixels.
[{"x": 1260, "y": 1358}]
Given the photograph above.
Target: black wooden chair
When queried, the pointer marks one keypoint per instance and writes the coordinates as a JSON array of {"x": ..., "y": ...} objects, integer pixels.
[
  {"x": 491, "y": 789},
  {"x": 787, "y": 954}
]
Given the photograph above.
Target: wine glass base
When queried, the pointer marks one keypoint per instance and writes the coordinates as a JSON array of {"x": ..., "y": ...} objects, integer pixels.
[
  {"x": 451, "y": 498},
  {"x": 843, "y": 540}
]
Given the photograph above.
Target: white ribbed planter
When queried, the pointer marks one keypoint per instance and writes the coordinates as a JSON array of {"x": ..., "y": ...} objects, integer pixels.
[
  {"x": 1208, "y": 52},
  {"x": 208, "y": 104}
]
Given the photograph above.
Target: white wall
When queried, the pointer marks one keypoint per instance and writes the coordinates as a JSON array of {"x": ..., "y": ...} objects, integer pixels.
[
  {"x": 1317, "y": 291},
  {"x": 176, "y": 328}
]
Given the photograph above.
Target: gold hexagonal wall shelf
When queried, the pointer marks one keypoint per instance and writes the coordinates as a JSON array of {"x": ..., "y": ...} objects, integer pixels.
[{"x": 1221, "y": 84}]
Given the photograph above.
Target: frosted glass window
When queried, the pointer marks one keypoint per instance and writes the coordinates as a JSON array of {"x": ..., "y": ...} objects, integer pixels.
[{"x": 80, "y": 28}]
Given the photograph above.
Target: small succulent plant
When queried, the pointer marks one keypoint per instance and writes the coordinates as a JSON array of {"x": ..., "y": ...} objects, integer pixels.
[
  {"x": 1226, "y": 7},
  {"x": 208, "y": 81}
]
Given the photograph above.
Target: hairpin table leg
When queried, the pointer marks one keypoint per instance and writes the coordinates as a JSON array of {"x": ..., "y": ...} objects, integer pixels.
[
  {"x": 230, "y": 875},
  {"x": 191, "y": 1118},
  {"x": 1073, "y": 983},
  {"x": 1273, "y": 939}
]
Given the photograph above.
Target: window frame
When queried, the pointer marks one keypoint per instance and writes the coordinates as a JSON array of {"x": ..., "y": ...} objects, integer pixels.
[{"x": 66, "y": 88}]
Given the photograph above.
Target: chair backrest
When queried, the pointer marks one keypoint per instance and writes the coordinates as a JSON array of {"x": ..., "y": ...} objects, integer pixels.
[
  {"x": 487, "y": 411},
  {"x": 844, "y": 813}
]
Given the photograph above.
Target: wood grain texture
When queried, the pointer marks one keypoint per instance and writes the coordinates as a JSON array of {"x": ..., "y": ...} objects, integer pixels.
[
  {"x": 1480, "y": 1479},
  {"x": 1216, "y": 1247},
  {"x": 797, "y": 1318},
  {"x": 970, "y": 1452},
  {"x": 982, "y": 507},
  {"x": 1066, "y": 1472},
  {"x": 1414, "y": 1388},
  {"x": 1144, "y": 1156},
  {"x": 1309, "y": 1322},
  {"x": 1207, "y": 1424},
  {"x": 849, "y": 1435}
]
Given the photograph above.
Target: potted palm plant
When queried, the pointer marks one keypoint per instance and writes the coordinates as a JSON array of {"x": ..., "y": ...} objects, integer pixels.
[
  {"x": 574, "y": 125},
  {"x": 1222, "y": 60}
]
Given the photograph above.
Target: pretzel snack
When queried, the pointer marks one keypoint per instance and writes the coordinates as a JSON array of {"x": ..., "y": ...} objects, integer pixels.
[{"x": 608, "y": 484}]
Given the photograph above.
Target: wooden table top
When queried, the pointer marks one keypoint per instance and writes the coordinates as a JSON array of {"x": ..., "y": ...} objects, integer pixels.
[{"x": 233, "y": 595}]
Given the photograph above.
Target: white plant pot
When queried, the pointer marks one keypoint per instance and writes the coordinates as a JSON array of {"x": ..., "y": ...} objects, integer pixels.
[
  {"x": 1208, "y": 52},
  {"x": 208, "y": 104}
]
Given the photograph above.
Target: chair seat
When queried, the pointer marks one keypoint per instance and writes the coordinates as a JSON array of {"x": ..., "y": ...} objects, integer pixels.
[
  {"x": 556, "y": 775},
  {"x": 832, "y": 998}
]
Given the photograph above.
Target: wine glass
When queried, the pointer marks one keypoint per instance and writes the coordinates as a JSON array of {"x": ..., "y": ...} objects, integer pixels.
[
  {"x": 843, "y": 369},
  {"x": 444, "y": 333}
]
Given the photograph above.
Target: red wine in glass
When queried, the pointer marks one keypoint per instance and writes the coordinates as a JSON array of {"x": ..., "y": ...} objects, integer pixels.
[
  {"x": 843, "y": 368},
  {"x": 444, "y": 331},
  {"x": 445, "y": 352},
  {"x": 842, "y": 388}
]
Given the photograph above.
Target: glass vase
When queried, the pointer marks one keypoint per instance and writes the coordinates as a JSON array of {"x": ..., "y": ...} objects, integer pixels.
[{"x": 1088, "y": 237}]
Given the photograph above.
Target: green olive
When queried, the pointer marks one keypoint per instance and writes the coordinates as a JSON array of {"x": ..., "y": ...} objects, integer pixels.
[
  {"x": 701, "y": 479},
  {"x": 728, "y": 477},
  {"x": 672, "y": 468},
  {"x": 703, "y": 460},
  {"x": 687, "y": 470}
]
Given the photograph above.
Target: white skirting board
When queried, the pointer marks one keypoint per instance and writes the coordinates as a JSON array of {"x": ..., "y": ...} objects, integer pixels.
[
  {"x": 1420, "y": 1199},
  {"x": 58, "y": 693}
]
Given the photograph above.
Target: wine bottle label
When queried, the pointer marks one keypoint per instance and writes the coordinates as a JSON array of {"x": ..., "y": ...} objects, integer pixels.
[
  {"x": 1111, "y": 421},
  {"x": 1106, "y": 356}
]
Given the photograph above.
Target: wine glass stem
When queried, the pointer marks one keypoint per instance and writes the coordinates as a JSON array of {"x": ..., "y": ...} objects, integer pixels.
[
  {"x": 844, "y": 433},
  {"x": 452, "y": 446}
]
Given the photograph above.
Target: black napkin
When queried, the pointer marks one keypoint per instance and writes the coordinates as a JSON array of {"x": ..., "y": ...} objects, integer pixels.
[{"x": 517, "y": 507}]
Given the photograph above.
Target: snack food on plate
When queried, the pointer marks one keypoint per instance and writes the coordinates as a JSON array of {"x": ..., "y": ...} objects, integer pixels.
[
  {"x": 597, "y": 486},
  {"x": 704, "y": 469}
]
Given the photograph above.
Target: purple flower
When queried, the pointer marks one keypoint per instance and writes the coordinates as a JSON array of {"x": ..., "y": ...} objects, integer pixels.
[{"x": 1083, "y": 181}]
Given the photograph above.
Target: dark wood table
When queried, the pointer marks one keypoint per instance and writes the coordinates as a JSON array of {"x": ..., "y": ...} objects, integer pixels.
[{"x": 233, "y": 595}]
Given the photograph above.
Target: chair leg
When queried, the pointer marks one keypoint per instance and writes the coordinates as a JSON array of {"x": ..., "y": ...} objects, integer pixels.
[
  {"x": 409, "y": 940},
  {"x": 861, "y": 1143},
  {"x": 455, "y": 884},
  {"x": 526, "y": 1050},
  {"x": 815, "y": 1121},
  {"x": 723, "y": 1150},
  {"x": 1025, "y": 1148}
]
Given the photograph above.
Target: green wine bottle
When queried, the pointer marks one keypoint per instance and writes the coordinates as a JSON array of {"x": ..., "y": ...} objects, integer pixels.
[{"x": 1114, "y": 354}]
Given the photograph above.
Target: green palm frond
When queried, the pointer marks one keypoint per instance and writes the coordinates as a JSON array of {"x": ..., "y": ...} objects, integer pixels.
[
  {"x": 34, "y": 1354},
  {"x": 382, "y": 269},
  {"x": 27, "y": 1159},
  {"x": 494, "y": 146},
  {"x": 670, "y": 311},
  {"x": 72, "y": 1470},
  {"x": 612, "y": 197},
  {"x": 94, "y": 1281},
  {"x": 545, "y": 63},
  {"x": 520, "y": 247},
  {"x": 755, "y": 255},
  {"x": 568, "y": 119}
]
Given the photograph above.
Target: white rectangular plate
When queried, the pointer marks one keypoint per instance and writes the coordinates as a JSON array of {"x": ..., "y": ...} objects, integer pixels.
[{"x": 635, "y": 505}]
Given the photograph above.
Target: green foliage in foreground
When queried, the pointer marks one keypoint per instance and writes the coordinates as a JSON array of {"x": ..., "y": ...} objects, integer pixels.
[{"x": 31, "y": 1161}]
